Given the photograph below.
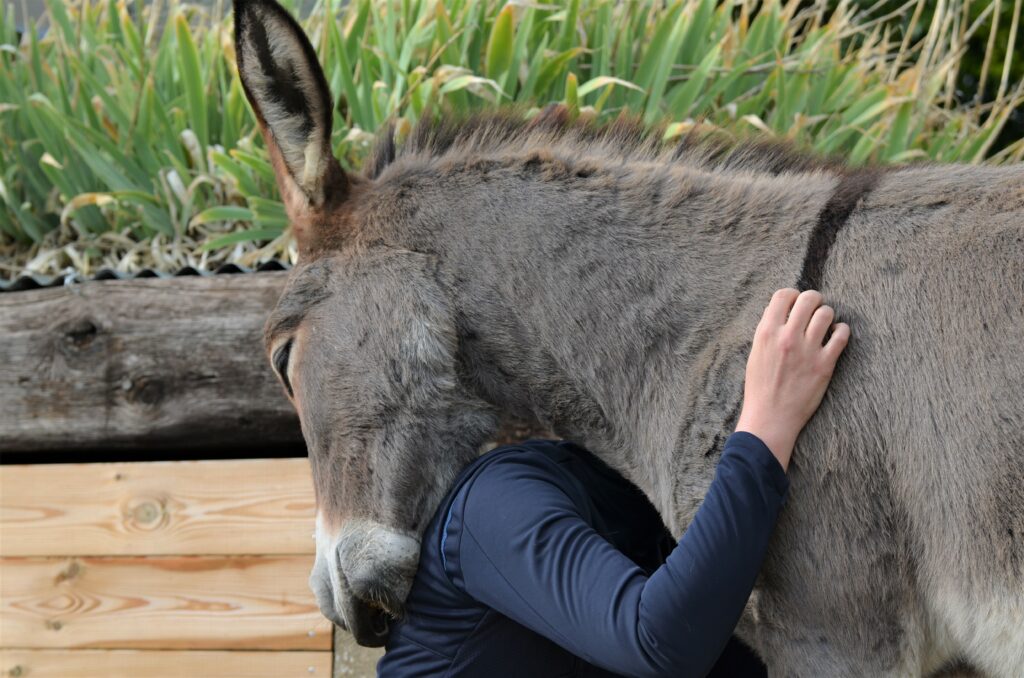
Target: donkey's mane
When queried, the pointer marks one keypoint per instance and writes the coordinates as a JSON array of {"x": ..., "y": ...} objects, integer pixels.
[{"x": 625, "y": 139}]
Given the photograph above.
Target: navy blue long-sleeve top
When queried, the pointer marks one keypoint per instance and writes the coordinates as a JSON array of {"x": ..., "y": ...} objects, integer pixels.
[{"x": 543, "y": 561}]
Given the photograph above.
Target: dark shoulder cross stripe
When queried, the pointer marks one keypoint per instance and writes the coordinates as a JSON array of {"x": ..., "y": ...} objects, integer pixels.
[{"x": 852, "y": 188}]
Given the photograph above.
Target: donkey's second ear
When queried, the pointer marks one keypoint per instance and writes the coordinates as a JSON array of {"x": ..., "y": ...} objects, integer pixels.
[{"x": 288, "y": 92}]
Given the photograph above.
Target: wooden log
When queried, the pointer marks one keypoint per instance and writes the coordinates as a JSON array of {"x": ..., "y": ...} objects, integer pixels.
[
  {"x": 145, "y": 363},
  {"x": 263, "y": 506},
  {"x": 162, "y": 664},
  {"x": 172, "y": 603},
  {"x": 156, "y": 366}
]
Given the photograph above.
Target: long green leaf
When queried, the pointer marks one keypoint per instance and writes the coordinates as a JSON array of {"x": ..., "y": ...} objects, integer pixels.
[
  {"x": 499, "y": 45},
  {"x": 192, "y": 76}
]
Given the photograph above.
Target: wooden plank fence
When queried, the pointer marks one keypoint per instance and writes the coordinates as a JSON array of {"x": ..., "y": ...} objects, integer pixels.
[
  {"x": 158, "y": 508},
  {"x": 198, "y": 564},
  {"x": 161, "y": 664},
  {"x": 221, "y": 602}
]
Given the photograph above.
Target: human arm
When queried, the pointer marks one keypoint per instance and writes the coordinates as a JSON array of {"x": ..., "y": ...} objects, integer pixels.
[
  {"x": 522, "y": 547},
  {"x": 538, "y": 561}
]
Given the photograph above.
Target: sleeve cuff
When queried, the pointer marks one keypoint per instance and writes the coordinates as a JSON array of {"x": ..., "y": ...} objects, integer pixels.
[{"x": 758, "y": 454}]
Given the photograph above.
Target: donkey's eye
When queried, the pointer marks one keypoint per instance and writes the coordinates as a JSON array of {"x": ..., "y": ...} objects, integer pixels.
[{"x": 281, "y": 364}]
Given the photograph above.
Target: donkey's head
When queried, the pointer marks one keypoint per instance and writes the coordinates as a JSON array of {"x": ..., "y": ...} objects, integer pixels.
[{"x": 364, "y": 339}]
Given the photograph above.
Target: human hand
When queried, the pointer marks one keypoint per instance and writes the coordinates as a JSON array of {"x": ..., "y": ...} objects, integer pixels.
[{"x": 789, "y": 368}]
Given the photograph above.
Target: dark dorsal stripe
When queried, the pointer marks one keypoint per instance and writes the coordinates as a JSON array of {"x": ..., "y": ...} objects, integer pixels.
[{"x": 852, "y": 188}]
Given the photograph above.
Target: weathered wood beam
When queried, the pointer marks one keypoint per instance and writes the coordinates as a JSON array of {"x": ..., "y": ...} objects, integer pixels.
[
  {"x": 171, "y": 364},
  {"x": 153, "y": 363}
]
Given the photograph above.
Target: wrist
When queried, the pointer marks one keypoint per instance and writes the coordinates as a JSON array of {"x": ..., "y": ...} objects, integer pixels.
[{"x": 777, "y": 436}]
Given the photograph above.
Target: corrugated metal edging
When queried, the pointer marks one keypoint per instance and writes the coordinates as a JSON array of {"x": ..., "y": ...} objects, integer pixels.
[{"x": 32, "y": 282}]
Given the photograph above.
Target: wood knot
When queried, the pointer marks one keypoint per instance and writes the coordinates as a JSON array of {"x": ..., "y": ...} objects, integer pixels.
[
  {"x": 72, "y": 571},
  {"x": 80, "y": 333},
  {"x": 146, "y": 391},
  {"x": 78, "y": 337},
  {"x": 54, "y": 625},
  {"x": 144, "y": 513}
]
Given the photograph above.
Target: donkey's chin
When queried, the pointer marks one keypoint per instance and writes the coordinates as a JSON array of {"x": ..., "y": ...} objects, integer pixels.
[
  {"x": 368, "y": 624},
  {"x": 376, "y": 567}
]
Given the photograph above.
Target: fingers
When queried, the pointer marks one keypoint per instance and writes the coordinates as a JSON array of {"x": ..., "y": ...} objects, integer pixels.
[
  {"x": 804, "y": 313},
  {"x": 780, "y": 306},
  {"x": 803, "y": 308},
  {"x": 837, "y": 342},
  {"x": 821, "y": 320}
]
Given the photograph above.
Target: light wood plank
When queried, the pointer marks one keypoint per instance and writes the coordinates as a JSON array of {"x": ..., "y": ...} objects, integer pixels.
[
  {"x": 244, "y": 602},
  {"x": 258, "y": 506},
  {"x": 162, "y": 664}
]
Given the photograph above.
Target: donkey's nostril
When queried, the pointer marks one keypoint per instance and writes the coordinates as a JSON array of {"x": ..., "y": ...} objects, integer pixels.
[
  {"x": 369, "y": 625},
  {"x": 379, "y": 623}
]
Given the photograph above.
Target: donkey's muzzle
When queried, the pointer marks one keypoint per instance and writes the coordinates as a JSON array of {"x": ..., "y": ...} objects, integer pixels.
[{"x": 375, "y": 569}]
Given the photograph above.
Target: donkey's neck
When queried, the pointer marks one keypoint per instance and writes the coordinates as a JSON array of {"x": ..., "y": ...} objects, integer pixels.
[{"x": 615, "y": 304}]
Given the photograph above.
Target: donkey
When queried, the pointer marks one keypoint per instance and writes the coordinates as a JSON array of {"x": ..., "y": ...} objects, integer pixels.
[{"x": 610, "y": 286}]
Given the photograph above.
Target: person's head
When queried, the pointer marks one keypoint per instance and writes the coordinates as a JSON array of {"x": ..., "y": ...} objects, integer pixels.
[{"x": 364, "y": 339}]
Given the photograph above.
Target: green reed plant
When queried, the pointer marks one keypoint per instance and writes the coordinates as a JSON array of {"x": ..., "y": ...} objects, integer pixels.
[{"x": 126, "y": 140}]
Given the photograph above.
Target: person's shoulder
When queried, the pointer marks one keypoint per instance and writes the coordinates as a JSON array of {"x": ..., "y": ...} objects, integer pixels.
[
  {"x": 514, "y": 480},
  {"x": 536, "y": 458},
  {"x": 501, "y": 495},
  {"x": 505, "y": 479}
]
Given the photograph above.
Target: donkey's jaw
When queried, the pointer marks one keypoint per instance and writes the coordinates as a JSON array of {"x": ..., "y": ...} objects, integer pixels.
[{"x": 362, "y": 575}]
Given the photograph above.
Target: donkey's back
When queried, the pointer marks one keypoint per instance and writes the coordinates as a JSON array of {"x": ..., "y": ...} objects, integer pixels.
[{"x": 908, "y": 494}]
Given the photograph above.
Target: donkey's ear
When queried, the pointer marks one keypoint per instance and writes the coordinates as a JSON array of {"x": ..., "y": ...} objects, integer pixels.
[{"x": 287, "y": 89}]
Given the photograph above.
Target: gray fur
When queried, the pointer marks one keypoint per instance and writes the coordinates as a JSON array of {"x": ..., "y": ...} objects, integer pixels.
[
  {"x": 612, "y": 289},
  {"x": 619, "y": 309}
]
